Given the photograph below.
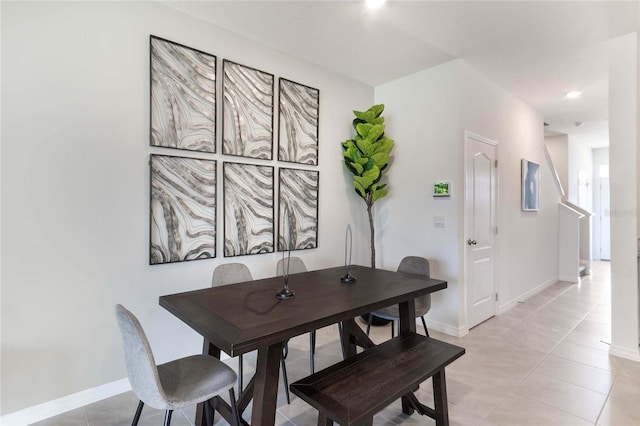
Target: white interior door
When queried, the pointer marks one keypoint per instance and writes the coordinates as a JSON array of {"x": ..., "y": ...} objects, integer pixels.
[
  {"x": 480, "y": 208},
  {"x": 605, "y": 220}
]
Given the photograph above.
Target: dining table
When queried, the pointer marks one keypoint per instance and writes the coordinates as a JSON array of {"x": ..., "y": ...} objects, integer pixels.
[{"x": 248, "y": 316}]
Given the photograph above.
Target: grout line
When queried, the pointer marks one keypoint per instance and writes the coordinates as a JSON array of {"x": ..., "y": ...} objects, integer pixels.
[{"x": 511, "y": 390}]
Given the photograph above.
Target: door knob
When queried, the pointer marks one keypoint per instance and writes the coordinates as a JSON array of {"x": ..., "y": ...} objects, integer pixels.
[{"x": 472, "y": 242}]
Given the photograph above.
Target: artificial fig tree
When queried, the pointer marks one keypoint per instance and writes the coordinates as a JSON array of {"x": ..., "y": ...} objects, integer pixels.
[{"x": 367, "y": 157}]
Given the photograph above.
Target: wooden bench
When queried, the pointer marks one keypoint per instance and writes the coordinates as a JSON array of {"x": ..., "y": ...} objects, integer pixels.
[{"x": 352, "y": 391}]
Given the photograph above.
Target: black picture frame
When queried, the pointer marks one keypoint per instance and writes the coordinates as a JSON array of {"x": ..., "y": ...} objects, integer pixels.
[
  {"x": 298, "y": 123},
  {"x": 247, "y": 111},
  {"x": 298, "y": 209},
  {"x": 248, "y": 193},
  {"x": 182, "y": 96},
  {"x": 182, "y": 217}
]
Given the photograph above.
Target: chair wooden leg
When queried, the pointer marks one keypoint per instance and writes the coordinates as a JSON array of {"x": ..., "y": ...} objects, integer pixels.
[
  {"x": 393, "y": 329},
  {"x": 234, "y": 408},
  {"x": 136, "y": 417},
  {"x": 369, "y": 316},
  {"x": 424, "y": 324},
  {"x": 167, "y": 417}
]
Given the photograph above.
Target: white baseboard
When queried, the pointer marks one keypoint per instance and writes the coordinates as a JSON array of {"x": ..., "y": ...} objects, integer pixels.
[
  {"x": 529, "y": 294},
  {"x": 624, "y": 352},
  {"x": 444, "y": 328},
  {"x": 66, "y": 403},
  {"x": 569, "y": 278}
]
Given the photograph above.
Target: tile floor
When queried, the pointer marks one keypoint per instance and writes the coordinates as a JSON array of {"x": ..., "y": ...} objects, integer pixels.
[{"x": 544, "y": 362}]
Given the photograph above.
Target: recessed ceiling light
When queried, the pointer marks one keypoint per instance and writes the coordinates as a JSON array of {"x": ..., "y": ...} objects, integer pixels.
[
  {"x": 573, "y": 95},
  {"x": 374, "y": 4}
]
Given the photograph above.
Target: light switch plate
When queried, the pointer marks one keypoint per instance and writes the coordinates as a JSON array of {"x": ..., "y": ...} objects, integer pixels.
[{"x": 440, "y": 221}]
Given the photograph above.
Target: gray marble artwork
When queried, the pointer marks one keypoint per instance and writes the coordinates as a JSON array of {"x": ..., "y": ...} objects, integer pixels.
[
  {"x": 298, "y": 209},
  {"x": 183, "y": 97},
  {"x": 248, "y": 209},
  {"x": 247, "y": 127},
  {"x": 298, "y": 123},
  {"x": 183, "y": 209}
]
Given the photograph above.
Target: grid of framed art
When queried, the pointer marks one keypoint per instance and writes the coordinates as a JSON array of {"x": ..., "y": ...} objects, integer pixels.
[{"x": 184, "y": 203}]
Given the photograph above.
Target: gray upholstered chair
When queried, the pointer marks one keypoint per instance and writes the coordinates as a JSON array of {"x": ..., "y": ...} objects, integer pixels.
[
  {"x": 232, "y": 273},
  {"x": 296, "y": 266},
  {"x": 175, "y": 384},
  {"x": 411, "y": 265}
]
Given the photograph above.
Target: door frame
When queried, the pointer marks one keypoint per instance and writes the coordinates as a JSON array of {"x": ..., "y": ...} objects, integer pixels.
[{"x": 463, "y": 241}]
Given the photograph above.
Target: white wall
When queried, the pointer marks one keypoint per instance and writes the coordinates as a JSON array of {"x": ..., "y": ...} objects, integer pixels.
[
  {"x": 422, "y": 113},
  {"x": 624, "y": 106},
  {"x": 580, "y": 161},
  {"x": 427, "y": 114},
  {"x": 75, "y": 188},
  {"x": 558, "y": 147}
]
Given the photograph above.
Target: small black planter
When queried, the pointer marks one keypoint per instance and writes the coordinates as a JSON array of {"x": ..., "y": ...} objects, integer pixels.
[{"x": 376, "y": 321}]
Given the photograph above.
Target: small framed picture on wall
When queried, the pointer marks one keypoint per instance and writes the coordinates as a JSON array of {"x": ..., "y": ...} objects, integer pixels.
[
  {"x": 530, "y": 186},
  {"x": 441, "y": 189}
]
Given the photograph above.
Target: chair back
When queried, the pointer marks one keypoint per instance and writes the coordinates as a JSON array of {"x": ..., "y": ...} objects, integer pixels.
[
  {"x": 296, "y": 265},
  {"x": 230, "y": 273},
  {"x": 418, "y": 266},
  {"x": 141, "y": 366}
]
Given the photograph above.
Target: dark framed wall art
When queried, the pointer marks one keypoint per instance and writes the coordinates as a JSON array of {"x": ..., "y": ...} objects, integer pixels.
[
  {"x": 248, "y": 209},
  {"x": 183, "y": 97},
  {"x": 183, "y": 209},
  {"x": 298, "y": 123},
  {"x": 297, "y": 209},
  {"x": 247, "y": 126},
  {"x": 530, "y": 186}
]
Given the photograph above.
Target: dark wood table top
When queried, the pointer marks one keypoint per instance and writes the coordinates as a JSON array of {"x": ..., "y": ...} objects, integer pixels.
[{"x": 241, "y": 317}]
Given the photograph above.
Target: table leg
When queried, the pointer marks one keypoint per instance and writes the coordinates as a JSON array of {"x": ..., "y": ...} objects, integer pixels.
[
  {"x": 353, "y": 336},
  {"x": 407, "y": 325},
  {"x": 265, "y": 391},
  {"x": 407, "y": 317}
]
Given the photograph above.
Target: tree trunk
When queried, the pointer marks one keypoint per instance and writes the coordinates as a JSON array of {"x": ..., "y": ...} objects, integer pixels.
[{"x": 371, "y": 229}]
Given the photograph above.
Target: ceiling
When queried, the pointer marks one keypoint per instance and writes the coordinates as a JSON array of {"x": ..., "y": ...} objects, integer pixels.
[{"x": 538, "y": 50}]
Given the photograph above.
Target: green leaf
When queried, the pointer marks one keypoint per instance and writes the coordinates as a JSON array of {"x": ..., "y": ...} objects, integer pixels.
[
  {"x": 363, "y": 161},
  {"x": 359, "y": 188},
  {"x": 364, "y": 129},
  {"x": 347, "y": 163},
  {"x": 377, "y": 109},
  {"x": 375, "y": 132},
  {"x": 365, "y": 116},
  {"x": 352, "y": 153},
  {"x": 383, "y": 145},
  {"x": 380, "y": 159},
  {"x": 366, "y": 146},
  {"x": 347, "y": 144},
  {"x": 371, "y": 174},
  {"x": 358, "y": 168},
  {"x": 380, "y": 193}
]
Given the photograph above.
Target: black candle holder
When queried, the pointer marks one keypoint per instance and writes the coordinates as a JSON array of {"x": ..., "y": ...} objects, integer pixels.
[
  {"x": 347, "y": 277},
  {"x": 286, "y": 292}
]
